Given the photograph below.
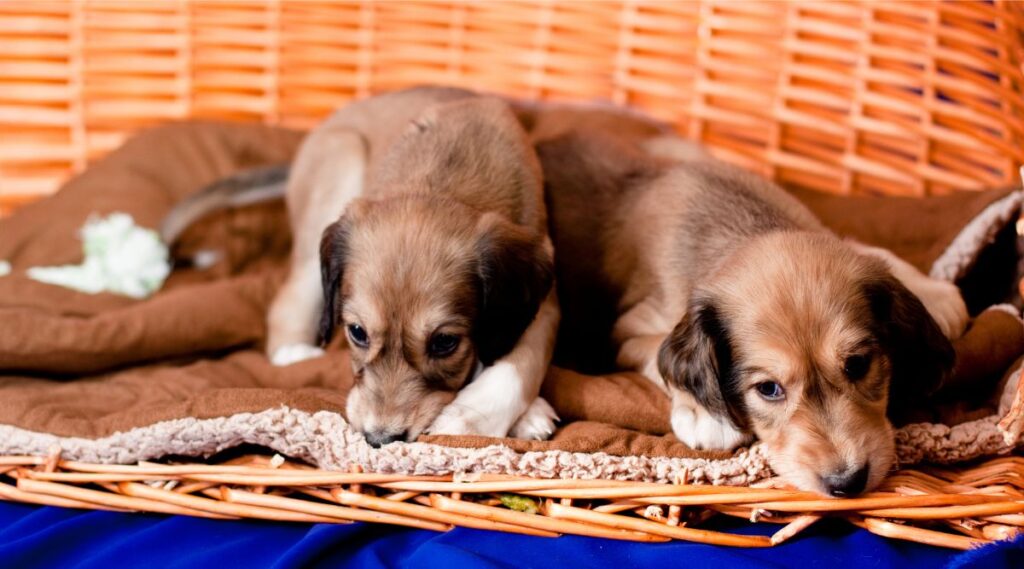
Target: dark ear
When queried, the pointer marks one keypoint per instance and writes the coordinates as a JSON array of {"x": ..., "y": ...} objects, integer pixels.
[
  {"x": 514, "y": 274},
  {"x": 697, "y": 358},
  {"x": 333, "y": 253},
  {"x": 921, "y": 356}
]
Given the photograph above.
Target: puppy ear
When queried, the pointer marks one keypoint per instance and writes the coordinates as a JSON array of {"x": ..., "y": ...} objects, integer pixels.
[
  {"x": 921, "y": 356},
  {"x": 333, "y": 253},
  {"x": 515, "y": 272},
  {"x": 697, "y": 358}
]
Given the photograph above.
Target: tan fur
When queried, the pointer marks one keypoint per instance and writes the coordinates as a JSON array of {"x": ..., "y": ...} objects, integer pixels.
[
  {"x": 438, "y": 192},
  {"x": 722, "y": 283}
]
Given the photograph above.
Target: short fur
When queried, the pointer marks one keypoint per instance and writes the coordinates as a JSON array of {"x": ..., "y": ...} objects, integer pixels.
[
  {"x": 726, "y": 286},
  {"x": 441, "y": 241}
]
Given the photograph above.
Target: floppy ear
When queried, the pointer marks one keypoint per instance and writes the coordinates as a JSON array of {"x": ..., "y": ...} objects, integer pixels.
[
  {"x": 333, "y": 252},
  {"x": 697, "y": 358},
  {"x": 515, "y": 272},
  {"x": 921, "y": 356}
]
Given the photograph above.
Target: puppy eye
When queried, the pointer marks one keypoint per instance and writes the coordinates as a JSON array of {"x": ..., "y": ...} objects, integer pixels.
[
  {"x": 442, "y": 345},
  {"x": 358, "y": 336},
  {"x": 770, "y": 390},
  {"x": 856, "y": 367}
]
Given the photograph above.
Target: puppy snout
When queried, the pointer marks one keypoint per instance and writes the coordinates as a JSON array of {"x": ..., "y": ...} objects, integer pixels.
[
  {"x": 848, "y": 483},
  {"x": 378, "y": 439}
]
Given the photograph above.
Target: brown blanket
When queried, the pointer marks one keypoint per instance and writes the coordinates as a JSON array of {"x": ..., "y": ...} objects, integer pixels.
[{"x": 75, "y": 366}]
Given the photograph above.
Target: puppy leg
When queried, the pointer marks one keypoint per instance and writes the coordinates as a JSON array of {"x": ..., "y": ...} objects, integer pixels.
[
  {"x": 941, "y": 298},
  {"x": 639, "y": 332},
  {"x": 641, "y": 354},
  {"x": 537, "y": 423},
  {"x": 507, "y": 390},
  {"x": 698, "y": 429},
  {"x": 328, "y": 174}
]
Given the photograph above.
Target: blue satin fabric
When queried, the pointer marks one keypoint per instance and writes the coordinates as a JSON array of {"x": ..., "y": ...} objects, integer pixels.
[{"x": 32, "y": 536}]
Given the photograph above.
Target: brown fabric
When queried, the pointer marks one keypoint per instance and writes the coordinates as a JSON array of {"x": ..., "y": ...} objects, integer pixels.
[
  {"x": 91, "y": 365},
  {"x": 916, "y": 229}
]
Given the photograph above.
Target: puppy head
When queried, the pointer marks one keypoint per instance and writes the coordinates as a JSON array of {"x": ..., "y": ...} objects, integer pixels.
[
  {"x": 423, "y": 290},
  {"x": 804, "y": 343},
  {"x": 470, "y": 149}
]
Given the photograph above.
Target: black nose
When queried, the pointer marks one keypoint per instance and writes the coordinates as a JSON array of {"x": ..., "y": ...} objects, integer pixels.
[
  {"x": 849, "y": 483},
  {"x": 378, "y": 439}
]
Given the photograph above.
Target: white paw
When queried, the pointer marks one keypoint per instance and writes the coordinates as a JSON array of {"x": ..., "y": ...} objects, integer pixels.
[
  {"x": 488, "y": 406},
  {"x": 294, "y": 353},
  {"x": 456, "y": 419},
  {"x": 700, "y": 430},
  {"x": 537, "y": 423},
  {"x": 945, "y": 304}
]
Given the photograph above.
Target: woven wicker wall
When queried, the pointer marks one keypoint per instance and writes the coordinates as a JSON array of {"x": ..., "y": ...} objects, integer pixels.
[{"x": 897, "y": 98}]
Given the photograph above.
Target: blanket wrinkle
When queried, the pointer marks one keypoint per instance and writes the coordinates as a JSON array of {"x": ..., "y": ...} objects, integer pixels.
[{"x": 111, "y": 379}]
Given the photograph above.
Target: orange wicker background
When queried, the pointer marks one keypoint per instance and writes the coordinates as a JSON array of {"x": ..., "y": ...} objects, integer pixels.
[{"x": 908, "y": 98}]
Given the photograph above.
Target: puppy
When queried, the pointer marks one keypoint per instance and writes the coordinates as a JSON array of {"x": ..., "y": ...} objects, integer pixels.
[
  {"x": 733, "y": 296},
  {"x": 420, "y": 235}
]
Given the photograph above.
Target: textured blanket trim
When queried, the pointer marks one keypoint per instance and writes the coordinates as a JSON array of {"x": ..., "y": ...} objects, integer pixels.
[
  {"x": 958, "y": 257},
  {"x": 325, "y": 439}
]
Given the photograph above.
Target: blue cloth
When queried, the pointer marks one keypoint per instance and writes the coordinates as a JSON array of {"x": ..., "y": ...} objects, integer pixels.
[
  {"x": 1003, "y": 554},
  {"x": 32, "y": 536}
]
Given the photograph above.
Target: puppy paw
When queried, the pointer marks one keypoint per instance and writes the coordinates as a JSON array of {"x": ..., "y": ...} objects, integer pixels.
[
  {"x": 945, "y": 304},
  {"x": 537, "y": 423},
  {"x": 456, "y": 419},
  {"x": 701, "y": 430},
  {"x": 294, "y": 353}
]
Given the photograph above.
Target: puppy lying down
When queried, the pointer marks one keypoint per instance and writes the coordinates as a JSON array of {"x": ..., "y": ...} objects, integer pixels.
[
  {"x": 711, "y": 281},
  {"x": 721, "y": 287},
  {"x": 420, "y": 235}
]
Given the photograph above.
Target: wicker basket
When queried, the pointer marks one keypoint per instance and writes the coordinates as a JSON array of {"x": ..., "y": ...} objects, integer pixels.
[
  {"x": 860, "y": 97},
  {"x": 895, "y": 98}
]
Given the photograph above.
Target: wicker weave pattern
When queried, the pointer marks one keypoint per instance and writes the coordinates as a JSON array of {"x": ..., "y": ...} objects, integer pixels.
[
  {"x": 955, "y": 508},
  {"x": 894, "y": 98}
]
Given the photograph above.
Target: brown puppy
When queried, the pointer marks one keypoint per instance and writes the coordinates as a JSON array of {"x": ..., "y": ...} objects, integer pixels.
[
  {"x": 438, "y": 266},
  {"x": 734, "y": 297}
]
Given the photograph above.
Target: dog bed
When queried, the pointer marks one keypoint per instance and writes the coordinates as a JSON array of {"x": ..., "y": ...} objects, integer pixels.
[{"x": 108, "y": 379}]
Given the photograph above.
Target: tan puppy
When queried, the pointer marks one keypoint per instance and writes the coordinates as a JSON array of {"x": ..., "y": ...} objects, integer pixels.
[
  {"x": 733, "y": 296},
  {"x": 420, "y": 234}
]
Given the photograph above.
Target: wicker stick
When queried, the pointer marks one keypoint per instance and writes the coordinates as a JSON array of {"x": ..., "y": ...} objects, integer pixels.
[
  {"x": 997, "y": 532},
  {"x": 942, "y": 513},
  {"x": 11, "y": 493},
  {"x": 538, "y": 487},
  {"x": 327, "y": 510},
  {"x": 109, "y": 499},
  {"x": 792, "y": 528},
  {"x": 444, "y": 517},
  {"x": 724, "y": 497},
  {"x": 874, "y": 503},
  {"x": 908, "y": 533},
  {"x": 645, "y": 526},
  {"x": 533, "y": 520},
  {"x": 14, "y": 460},
  {"x": 217, "y": 507},
  {"x": 195, "y": 471}
]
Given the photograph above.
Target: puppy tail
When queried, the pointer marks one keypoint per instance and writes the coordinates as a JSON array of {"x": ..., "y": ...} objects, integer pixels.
[{"x": 247, "y": 187}]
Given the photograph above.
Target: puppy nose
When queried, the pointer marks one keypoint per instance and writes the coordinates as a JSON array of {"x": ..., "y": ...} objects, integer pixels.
[
  {"x": 849, "y": 483},
  {"x": 379, "y": 438}
]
